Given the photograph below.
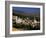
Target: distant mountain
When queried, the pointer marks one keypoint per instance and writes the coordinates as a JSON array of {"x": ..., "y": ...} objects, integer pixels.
[{"x": 18, "y": 12}]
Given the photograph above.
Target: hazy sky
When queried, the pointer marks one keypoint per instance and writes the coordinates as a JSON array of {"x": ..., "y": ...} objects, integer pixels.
[{"x": 27, "y": 9}]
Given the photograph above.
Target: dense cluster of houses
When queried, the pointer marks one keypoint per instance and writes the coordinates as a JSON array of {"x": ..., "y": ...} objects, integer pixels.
[{"x": 26, "y": 21}]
